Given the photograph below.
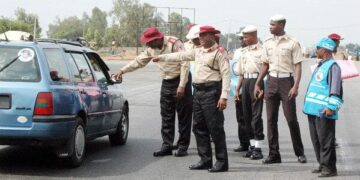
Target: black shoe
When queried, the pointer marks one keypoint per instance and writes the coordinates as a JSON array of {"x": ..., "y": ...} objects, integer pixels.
[
  {"x": 256, "y": 154},
  {"x": 163, "y": 152},
  {"x": 327, "y": 174},
  {"x": 175, "y": 147},
  {"x": 200, "y": 166},
  {"x": 241, "y": 148},
  {"x": 249, "y": 152},
  {"x": 181, "y": 153},
  {"x": 272, "y": 160},
  {"x": 317, "y": 170},
  {"x": 219, "y": 167},
  {"x": 302, "y": 159}
]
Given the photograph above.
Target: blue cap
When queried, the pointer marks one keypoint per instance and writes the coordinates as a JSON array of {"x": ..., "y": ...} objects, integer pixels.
[{"x": 326, "y": 43}]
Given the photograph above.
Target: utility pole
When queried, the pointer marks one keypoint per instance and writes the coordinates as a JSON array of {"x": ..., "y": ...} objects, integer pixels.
[
  {"x": 228, "y": 36},
  {"x": 35, "y": 28}
]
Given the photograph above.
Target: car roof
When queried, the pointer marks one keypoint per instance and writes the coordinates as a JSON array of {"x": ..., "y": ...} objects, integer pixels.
[
  {"x": 49, "y": 43},
  {"x": 54, "y": 43}
]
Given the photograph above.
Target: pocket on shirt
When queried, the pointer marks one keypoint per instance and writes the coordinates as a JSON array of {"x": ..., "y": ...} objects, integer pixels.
[{"x": 285, "y": 52}]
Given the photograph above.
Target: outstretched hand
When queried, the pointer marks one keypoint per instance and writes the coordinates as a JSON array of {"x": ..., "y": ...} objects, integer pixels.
[
  {"x": 155, "y": 59},
  {"x": 118, "y": 75}
]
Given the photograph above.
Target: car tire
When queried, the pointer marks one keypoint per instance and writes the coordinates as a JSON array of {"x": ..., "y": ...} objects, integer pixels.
[
  {"x": 76, "y": 145},
  {"x": 122, "y": 130}
]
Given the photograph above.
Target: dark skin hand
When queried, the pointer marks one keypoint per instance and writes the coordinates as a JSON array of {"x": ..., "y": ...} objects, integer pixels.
[
  {"x": 221, "y": 104},
  {"x": 180, "y": 93},
  {"x": 258, "y": 90},
  {"x": 327, "y": 112}
]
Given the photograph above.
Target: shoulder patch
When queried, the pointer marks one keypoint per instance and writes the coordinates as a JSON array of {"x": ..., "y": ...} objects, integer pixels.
[
  {"x": 172, "y": 40},
  {"x": 221, "y": 49}
]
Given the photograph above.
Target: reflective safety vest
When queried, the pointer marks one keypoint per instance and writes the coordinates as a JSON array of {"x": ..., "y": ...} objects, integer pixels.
[{"x": 317, "y": 96}]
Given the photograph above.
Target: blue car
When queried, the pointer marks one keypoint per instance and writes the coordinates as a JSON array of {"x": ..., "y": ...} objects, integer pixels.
[{"x": 58, "y": 94}]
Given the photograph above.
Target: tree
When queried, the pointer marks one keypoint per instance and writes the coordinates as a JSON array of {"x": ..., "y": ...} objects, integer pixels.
[
  {"x": 131, "y": 18},
  {"x": 22, "y": 22},
  {"x": 70, "y": 28},
  {"x": 26, "y": 21},
  {"x": 177, "y": 25},
  {"x": 96, "y": 26}
]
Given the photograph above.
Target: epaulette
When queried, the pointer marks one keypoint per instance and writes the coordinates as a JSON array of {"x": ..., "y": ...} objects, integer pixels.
[
  {"x": 268, "y": 39},
  {"x": 293, "y": 39},
  {"x": 172, "y": 40}
]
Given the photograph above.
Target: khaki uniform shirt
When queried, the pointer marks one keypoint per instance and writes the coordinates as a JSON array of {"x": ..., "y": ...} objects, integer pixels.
[
  {"x": 189, "y": 45},
  {"x": 237, "y": 57},
  {"x": 210, "y": 65},
  {"x": 168, "y": 70},
  {"x": 282, "y": 53},
  {"x": 250, "y": 61}
]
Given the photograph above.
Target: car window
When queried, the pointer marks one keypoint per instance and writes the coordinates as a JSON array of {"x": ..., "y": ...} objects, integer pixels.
[
  {"x": 99, "y": 74},
  {"x": 73, "y": 68},
  {"x": 22, "y": 64},
  {"x": 57, "y": 66},
  {"x": 80, "y": 67}
]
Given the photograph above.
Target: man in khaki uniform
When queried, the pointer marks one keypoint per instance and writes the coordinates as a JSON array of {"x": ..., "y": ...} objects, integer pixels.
[
  {"x": 211, "y": 89},
  {"x": 249, "y": 66},
  {"x": 242, "y": 129},
  {"x": 176, "y": 93},
  {"x": 282, "y": 59}
]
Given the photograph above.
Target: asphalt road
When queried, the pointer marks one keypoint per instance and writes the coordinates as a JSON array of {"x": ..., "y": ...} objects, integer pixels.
[{"x": 135, "y": 161}]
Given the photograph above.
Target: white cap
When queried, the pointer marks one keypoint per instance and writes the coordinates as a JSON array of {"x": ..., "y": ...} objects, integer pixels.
[
  {"x": 277, "y": 17},
  {"x": 240, "y": 34},
  {"x": 249, "y": 29},
  {"x": 194, "y": 32}
]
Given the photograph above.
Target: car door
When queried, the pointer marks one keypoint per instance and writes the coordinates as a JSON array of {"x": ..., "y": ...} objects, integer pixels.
[
  {"x": 89, "y": 91},
  {"x": 112, "y": 98}
]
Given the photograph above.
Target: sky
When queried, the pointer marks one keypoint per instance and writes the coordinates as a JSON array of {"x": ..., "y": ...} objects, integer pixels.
[{"x": 307, "y": 20}]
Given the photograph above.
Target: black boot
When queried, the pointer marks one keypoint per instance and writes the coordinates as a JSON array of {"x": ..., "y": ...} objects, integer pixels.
[
  {"x": 256, "y": 154},
  {"x": 242, "y": 148},
  {"x": 163, "y": 152},
  {"x": 249, "y": 152},
  {"x": 219, "y": 167},
  {"x": 201, "y": 166}
]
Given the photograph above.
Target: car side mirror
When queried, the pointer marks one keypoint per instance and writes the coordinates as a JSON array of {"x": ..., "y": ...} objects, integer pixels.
[{"x": 115, "y": 81}]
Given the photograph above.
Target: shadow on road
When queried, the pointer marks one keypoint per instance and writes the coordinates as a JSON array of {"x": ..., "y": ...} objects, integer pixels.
[{"x": 101, "y": 160}]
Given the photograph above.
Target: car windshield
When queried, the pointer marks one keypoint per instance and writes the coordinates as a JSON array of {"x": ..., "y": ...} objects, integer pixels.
[{"x": 24, "y": 69}]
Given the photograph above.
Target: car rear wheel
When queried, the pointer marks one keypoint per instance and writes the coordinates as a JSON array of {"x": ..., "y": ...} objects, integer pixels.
[
  {"x": 122, "y": 130},
  {"x": 76, "y": 145}
]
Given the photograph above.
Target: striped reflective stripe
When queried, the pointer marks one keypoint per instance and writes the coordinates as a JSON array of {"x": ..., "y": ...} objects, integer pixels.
[{"x": 315, "y": 101}]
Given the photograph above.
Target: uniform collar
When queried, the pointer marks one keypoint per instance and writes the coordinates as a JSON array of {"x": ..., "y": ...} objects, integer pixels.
[
  {"x": 285, "y": 36},
  {"x": 212, "y": 48},
  {"x": 254, "y": 46}
]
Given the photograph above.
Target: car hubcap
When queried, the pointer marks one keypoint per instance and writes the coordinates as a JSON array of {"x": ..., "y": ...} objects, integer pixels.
[
  {"x": 124, "y": 125},
  {"x": 79, "y": 142}
]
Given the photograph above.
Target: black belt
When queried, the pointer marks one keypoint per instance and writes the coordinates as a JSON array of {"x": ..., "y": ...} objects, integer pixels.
[{"x": 207, "y": 85}]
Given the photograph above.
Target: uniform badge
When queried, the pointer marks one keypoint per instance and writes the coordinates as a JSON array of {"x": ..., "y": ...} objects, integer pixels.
[{"x": 319, "y": 76}]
